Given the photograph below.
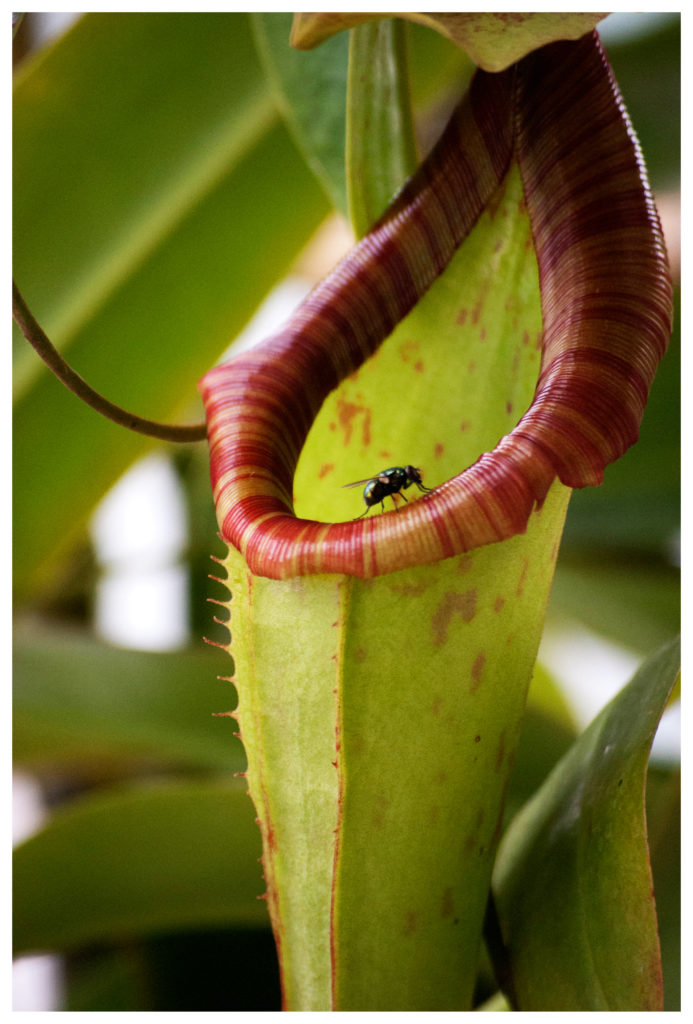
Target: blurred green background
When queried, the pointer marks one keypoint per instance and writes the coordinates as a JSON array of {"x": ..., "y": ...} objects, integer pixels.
[{"x": 160, "y": 195}]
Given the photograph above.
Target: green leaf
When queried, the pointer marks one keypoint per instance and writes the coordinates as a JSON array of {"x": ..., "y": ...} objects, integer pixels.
[
  {"x": 380, "y": 147},
  {"x": 137, "y": 861},
  {"x": 148, "y": 225},
  {"x": 310, "y": 91},
  {"x": 572, "y": 880},
  {"x": 82, "y": 706}
]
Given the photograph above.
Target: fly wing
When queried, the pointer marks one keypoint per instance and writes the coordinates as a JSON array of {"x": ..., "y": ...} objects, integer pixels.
[{"x": 360, "y": 483}]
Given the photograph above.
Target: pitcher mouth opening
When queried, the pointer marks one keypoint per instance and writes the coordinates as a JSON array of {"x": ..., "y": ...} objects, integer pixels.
[{"x": 606, "y": 309}]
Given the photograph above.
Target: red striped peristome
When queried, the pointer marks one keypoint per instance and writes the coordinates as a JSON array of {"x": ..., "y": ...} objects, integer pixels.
[{"x": 606, "y": 307}]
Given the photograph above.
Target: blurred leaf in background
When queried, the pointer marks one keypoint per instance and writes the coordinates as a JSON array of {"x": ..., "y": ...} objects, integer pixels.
[{"x": 159, "y": 137}]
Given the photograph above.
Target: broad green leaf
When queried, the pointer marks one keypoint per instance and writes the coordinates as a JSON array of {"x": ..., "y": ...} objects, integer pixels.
[
  {"x": 493, "y": 41},
  {"x": 148, "y": 226},
  {"x": 310, "y": 90},
  {"x": 572, "y": 880},
  {"x": 139, "y": 861},
  {"x": 380, "y": 147},
  {"x": 82, "y": 706}
]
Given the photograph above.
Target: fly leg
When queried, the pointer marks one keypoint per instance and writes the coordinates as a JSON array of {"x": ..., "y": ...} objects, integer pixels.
[{"x": 397, "y": 494}]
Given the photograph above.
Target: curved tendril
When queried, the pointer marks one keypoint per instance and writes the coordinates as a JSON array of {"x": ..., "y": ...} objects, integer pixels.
[{"x": 38, "y": 339}]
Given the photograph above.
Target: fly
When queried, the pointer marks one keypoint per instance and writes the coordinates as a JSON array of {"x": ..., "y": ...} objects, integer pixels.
[{"x": 391, "y": 481}]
